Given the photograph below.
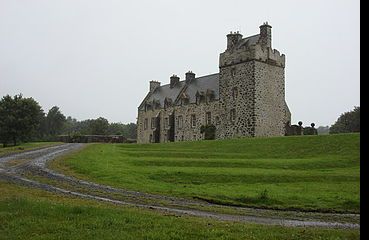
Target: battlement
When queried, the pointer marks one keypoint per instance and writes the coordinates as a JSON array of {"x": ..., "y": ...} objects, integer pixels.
[
  {"x": 257, "y": 47},
  {"x": 253, "y": 52}
]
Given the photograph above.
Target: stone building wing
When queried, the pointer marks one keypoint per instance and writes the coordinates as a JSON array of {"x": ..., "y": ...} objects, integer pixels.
[
  {"x": 163, "y": 92},
  {"x": 204, "y": 84},
  {"x": 162, "y": 95}
]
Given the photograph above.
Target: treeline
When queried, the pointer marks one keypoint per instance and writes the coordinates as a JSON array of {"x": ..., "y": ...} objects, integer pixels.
[
  {"x": 99, "y": 126},
  {"x": 23, "y": 119},
  {"x": 347, "y": 122}
]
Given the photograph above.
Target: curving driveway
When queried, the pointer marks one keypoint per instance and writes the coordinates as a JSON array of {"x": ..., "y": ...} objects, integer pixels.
[{"x": 30, "y": 169}]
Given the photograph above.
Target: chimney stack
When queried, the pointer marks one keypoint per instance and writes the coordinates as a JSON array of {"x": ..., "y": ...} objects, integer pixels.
[
  {"x": 174, "y": 80},
  {"x": 190, "y": 76},
  {"x": 233, "y": 39},
  {"x": 154, "y": 85}
]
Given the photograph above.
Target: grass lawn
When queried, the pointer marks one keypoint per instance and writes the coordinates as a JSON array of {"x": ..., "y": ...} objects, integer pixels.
[
  {"x": 298, "y": 172},
  {"x": 25, "y": 146},
  {"x": 27, "y": 213}
]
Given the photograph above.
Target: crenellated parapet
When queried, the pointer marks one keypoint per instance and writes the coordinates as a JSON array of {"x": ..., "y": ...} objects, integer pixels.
[
  {"x": 257, "y": 47},
  {"x": 251, "y": 52}
]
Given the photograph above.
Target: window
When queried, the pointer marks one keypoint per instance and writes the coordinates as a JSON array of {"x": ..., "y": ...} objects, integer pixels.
[
  {"x": 234, "y": 93},
  {"x": 233, "y": 72},
  {"x": 166, "y": 123},
  {"x": 193, "y": 120},
  {"x": 180, "y": 122},
  {"x": 208, "y": 118},
  {"x": 153, "y": 123},
  {"x": 233, "y": 115},
  {"x": 146, "y": 123},
  {"x": 217, "y": 120}
]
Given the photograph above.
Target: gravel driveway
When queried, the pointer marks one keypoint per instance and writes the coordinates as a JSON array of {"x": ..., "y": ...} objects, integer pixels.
[{"x": 30, "y": 168}]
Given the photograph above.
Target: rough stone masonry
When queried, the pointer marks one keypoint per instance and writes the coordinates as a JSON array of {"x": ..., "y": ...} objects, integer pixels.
[{"x": 245, "y": 99}]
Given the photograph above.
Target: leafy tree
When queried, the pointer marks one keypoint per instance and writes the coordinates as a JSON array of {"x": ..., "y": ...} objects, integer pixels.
[
  {"x": 19, "y": 118},
  {"x": 70, "y": 126},
  {"x": 116, "y": 128},
  {"x": 347, "y": 122},
  {"x": 99, "y": 126},
  {"x": 209, "y": 131},
  {"x": 55, "y": 121},
  {"x": 130, "y": 130}
]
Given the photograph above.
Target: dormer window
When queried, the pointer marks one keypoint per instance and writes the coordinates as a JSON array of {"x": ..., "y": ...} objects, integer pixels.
[
  {"x": 185, "y": 101},
  {"x": 167, "y": 102},
  {"x": 200, "y": 97},
  {"x": 210, "y": 95}
]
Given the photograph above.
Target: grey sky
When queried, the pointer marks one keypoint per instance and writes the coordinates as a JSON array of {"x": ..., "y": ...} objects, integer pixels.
[{"x": 96, "y": 57}]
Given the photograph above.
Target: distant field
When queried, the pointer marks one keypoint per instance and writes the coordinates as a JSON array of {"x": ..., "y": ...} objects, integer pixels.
[
  {"x": 319, "y": 173},
  {"x": 25, "y": 146},
  {"x": 27, "y": 213}
]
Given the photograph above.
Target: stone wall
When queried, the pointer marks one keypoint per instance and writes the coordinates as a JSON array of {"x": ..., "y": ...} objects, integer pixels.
[
  {"x": 190, "y": 133},
  {"x": 185, "y": 132},
  {"x": 236, "y": 91},
  {"x": 270, "y": 112},
  {"x": 92, "y": 138},
  {"x": 143, "y": 135}
]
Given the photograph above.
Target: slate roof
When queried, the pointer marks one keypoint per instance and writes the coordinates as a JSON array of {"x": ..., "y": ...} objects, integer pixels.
[
  {"x": 251, "y": 40},
  {"x": 200, "y": 84},
  {"x": 160, "y": 93}
]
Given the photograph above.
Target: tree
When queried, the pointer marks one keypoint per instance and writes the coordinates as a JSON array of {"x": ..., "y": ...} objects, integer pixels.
[
  {"x": 116, "y": 128},
  {"x": 19, "y": 118},
  {"x": 99, "y": 126},
  {"x": 70, "y": 126},
  {"x": 347, "y": 122},
  {"x": 209, "y": 131},
  {"x": 130, "y": 130},
  {"x": 55, "y": 121}
]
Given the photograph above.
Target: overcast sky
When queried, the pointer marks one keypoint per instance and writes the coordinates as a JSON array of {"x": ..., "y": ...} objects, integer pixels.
[{"x": 96, "y": 57}]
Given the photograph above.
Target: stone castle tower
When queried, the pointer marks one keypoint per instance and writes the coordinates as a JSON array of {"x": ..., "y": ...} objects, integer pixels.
[
  {"x": 246, "y": 97},
  {"x": 252, "y": 86}
]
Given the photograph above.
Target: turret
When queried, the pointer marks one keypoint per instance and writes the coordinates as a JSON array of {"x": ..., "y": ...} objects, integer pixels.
[{"x": 265, "y": 39}]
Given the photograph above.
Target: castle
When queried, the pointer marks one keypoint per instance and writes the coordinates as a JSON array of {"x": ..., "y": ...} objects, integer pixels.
[{"x": 246, "y": 97}]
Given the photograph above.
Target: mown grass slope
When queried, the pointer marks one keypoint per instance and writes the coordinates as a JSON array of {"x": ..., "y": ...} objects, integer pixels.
[
  {"x": 319, "y": 173},
  {"x": 27, "y": 213}
]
